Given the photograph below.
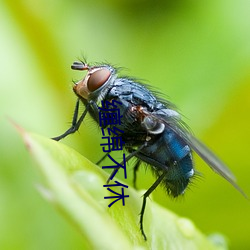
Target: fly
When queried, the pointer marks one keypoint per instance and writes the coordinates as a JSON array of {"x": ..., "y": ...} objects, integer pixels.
[{"x": 153, "y": 131}]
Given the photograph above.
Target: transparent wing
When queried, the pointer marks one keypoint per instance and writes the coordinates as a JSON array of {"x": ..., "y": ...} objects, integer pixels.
[
  {"x": 175, "y": 124},
  {"x": 208, "y": 156}
]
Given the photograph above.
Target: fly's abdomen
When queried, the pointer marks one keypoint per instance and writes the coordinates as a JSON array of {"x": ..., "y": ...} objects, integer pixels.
[
  {"x": 180, "y": 166},
  {"x": 169, "y": 154},
  {"x": 177, "y": 179}
]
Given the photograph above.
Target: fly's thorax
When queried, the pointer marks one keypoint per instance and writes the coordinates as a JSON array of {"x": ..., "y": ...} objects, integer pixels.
[
  {"x": 96, "y": 83},
  {"x": 152, "y": 125},
  {"x": 153, "y": 122}
]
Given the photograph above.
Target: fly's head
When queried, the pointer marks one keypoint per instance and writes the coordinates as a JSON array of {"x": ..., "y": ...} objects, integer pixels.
[{"x": 93, "y": 85}]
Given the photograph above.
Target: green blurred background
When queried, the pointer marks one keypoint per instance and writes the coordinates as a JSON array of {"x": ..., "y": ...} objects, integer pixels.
[{"x": 195, "y": 52}]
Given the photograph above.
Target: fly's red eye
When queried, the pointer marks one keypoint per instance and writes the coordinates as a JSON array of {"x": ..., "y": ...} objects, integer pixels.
[{"x": 97, "y": 79}]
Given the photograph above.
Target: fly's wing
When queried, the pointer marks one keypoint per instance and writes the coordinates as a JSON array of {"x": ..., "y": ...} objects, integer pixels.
[
  {"x": 212, "y": 160},
  {"x": 175, "y": 124},
  {"x": 208, "y": 156}
]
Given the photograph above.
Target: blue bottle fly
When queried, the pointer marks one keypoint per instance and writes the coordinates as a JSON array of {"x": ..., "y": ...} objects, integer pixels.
[{"x": 153, "y": 131}]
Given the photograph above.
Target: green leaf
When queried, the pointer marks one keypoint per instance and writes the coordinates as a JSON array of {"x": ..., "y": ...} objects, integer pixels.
[{"x": 75, "y": 186}]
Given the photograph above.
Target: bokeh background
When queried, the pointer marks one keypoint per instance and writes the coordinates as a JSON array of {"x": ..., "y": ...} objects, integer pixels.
[{"x": 196, "y": 52}]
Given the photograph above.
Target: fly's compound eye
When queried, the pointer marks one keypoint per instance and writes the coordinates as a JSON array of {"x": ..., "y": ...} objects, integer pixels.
[{"x": 97, "y": 79}]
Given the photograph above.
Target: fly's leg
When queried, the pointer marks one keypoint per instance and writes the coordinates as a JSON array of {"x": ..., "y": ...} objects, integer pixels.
[
  {"x": 102, "y": 159},
  {"x": 132, "y": 154},
  {"x": 136, "y": 167},
  {"x": 145, "y": 196},
  {"x": 75, "y": 123}
]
